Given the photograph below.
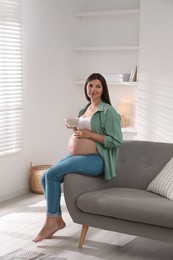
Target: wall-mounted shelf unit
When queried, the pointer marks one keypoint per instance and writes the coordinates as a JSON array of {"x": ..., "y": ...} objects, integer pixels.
[
  {"x": 108, "y": 48},
  {"x": 105, "y": 13},
  {"x": 129, "y": 133},
  {"x": 110, "y": 83},
  {"x": 108, "y": 43},
  {"x": 130, "y": 130}
]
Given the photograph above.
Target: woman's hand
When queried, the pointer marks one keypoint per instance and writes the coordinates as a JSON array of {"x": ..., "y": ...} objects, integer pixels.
[
  {"x": 83, "y": 133},
  {"x": 87, "y": 134}
]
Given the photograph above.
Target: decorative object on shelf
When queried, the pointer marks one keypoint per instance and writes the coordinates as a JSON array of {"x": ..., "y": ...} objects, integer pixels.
[
  {"x": 124, "y": 121},
  {"x": 123, "y": 108},
  {"x": 133, "y": 75},
  {"x": 116, "y": 77},
  {"x": 36, "y": 173}
]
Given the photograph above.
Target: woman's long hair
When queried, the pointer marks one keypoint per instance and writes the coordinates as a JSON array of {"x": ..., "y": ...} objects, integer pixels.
[{"x": 105, "y": 95}]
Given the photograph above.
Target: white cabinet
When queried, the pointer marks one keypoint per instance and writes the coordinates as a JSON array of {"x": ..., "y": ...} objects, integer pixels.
[{"x": 108, "y": 42}]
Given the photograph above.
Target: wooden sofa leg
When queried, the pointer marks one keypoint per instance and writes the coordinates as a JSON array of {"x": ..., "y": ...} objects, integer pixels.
[{"x": 83, "y": 235}]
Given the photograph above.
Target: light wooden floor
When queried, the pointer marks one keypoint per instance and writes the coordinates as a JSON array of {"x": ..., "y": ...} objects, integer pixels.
[{"x": 21, "y": 218}]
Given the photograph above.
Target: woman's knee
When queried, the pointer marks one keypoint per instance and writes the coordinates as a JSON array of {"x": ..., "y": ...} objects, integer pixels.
[
  {"x": 51, "y": 174},
  {"x": 45, "y": 176},
  {"x": 43, "y": 179}
]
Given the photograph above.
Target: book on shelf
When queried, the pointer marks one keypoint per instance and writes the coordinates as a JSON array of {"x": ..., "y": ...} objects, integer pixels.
[{"x": 133, "y": 74}]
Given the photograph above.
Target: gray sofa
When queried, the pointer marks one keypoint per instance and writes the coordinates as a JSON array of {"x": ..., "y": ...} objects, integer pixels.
[{"x": 123, "y": 204}]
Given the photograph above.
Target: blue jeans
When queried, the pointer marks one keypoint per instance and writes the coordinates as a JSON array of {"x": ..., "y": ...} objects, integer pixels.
[{"x": 90, "y": 165}]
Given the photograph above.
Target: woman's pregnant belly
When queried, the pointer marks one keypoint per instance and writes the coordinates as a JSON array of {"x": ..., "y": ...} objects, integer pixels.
[{"x": 80, "y": 146}]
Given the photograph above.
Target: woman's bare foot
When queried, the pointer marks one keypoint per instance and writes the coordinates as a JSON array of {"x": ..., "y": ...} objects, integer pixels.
[{"x": 51, "y": 226}]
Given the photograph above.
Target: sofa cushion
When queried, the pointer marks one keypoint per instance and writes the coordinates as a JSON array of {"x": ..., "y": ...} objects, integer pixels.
[
  {"x": 163, "y": 182},
  {"x": 129, "y": 204}
]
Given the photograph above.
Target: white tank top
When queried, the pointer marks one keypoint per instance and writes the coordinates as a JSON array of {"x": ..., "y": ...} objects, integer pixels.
[{"x": 84, "y": 122}]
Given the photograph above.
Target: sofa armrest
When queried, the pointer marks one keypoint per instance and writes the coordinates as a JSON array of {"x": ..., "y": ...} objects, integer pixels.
[{"x": 77, "y": 184}]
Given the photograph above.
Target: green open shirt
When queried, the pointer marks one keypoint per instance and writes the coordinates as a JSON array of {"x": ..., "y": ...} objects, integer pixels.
[{"x": 106, "y": 121}]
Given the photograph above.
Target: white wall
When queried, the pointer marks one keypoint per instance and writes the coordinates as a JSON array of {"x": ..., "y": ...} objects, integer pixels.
[
  {"x": 49, "y": 93},
  {"x": 155, "y": 98},
  {"x": 49, "y": 32}
]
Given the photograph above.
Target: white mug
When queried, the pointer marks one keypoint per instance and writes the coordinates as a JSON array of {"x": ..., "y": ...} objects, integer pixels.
[{"x": 71, "y": 121}]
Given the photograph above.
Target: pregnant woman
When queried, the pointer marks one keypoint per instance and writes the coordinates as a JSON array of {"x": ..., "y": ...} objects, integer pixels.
[{"x": 93, "y": 150}]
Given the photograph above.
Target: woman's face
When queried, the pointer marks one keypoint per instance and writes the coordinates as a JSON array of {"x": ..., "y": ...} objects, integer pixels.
[{"x": 94, "y": 89}]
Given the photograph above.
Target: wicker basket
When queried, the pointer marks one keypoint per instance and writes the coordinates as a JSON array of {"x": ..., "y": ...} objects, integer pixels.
[{"x": 36, "y": 173}]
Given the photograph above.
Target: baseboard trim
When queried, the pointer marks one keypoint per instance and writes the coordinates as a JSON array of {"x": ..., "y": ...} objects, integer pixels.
[{"x": 14, "y": 194}]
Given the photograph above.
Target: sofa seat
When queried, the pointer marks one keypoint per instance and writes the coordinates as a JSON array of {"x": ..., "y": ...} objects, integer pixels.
[{"x": 129, "y": 204}]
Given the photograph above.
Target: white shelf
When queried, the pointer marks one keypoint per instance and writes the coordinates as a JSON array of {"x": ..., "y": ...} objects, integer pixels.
[
  {"x": 129, "y": 130},
  {"x": 110, "y": 83},
  {"x": 108, "y": 48},
  {"x": 106, "y": 13}
]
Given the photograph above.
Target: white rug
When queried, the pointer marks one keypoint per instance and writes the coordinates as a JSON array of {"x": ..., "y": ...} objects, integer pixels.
[{"x": 22, "y": 254}]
